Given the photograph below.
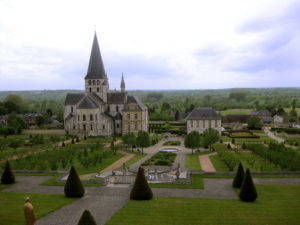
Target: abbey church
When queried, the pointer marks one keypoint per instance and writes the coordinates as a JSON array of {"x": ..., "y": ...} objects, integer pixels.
[{"x": 100, "y": 111}]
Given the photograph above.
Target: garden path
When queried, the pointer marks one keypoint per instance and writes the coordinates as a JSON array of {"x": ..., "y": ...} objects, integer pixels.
[
  {"x": 103, "y": 202},
  {"x": 272, "y": 135},
  {"x": 205, "y": 162}
]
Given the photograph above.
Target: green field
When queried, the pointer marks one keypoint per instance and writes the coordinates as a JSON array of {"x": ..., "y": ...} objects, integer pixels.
[
  {"x": 235, "y": 111},
  {"x": 192, "y": 161},
  {"x": 11, "y": 211},
  {"x": 276, "y": 205}
]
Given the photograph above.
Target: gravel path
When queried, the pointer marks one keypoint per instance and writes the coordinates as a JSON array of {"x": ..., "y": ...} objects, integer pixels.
[
  {"x": 206, "y": 164},
  {"x": 271, "y": 135}
]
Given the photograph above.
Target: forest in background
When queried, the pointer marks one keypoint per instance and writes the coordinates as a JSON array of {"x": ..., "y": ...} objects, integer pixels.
[{"x": 173, "y": 104}]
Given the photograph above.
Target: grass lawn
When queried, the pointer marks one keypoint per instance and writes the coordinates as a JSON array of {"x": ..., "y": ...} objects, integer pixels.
[
  {"x": 11, "y": 211},
  {"x": 137, "y": 156},
  {"x": 276, "y": 205},
  {"x": 192, "y": 161},
  {"x": 235, "y": 111},
  {"x": 218, "y": 163},
  {"x": 197, "y": 183}
]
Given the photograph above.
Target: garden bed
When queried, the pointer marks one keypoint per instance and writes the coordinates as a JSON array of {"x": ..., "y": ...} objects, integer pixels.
[
  {"x": 172, "y": 143},
  {"x": 161, "y": 159}
]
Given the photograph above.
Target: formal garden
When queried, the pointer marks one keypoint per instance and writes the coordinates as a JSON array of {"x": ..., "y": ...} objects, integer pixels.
[{"x": 161, "y": 159}]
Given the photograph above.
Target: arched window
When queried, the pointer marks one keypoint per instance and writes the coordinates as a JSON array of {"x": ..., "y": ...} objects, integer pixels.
[
  {"x": 98, "y": 89},
  {"x": 117, "y": 108},
  {"x": 94, "y": 82},
  {"x": 118, "y": 125},
  {"x": 91, "y": 117},
  {"x": 83, "y": 117},
  {"x": 103, "y": 127},
  {"x": 98, "y": 82},
  {"x": 84, "y": 127},
  {"x": 90, "y": 82}
]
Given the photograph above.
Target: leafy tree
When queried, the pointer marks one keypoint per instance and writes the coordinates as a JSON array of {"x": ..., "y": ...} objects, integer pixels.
[
  {"x": 210, "y": 136},
  {"x": 165, "y": 106},
  {"x": 73, "y": 187},
  {"x": 16, "y": 122},
  {"x": 49, "y": 112},
  {"x": 238, "y": 96},
  {"x": 129, "y": 139},
  {"x": 248, "y": 191},
  {"x": 40, "y": 120},
  {"x": 177, "y": 115},
  {"x": 141, "y": 189},
  {"x": 254, "y": 123},
  {"x": 14, "y": 103},
  {"x": 143, "y": 140},
  {"x": 87, "y": 219},
  {"x": 239, "y": 177},
  {"x": 192, "y": 140},
  {"x": 7, "y": 176},
  {"x": 15, "y": 143}
]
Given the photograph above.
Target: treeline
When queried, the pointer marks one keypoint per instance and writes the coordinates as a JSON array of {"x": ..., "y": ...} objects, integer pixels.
[{"x": 278, "y": 154}]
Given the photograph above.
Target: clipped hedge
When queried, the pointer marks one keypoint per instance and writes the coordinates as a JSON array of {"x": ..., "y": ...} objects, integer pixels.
[{"x": 287, "y": 130}]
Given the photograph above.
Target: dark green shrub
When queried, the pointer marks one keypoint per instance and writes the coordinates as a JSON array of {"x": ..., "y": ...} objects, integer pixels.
[
  {"x": 87, "y": 219},
  {"x": 84, "y": 137},
  {"x": 141, "y": 189},
  {"x": 63, "y": 144},
  {"x": 248, "y": 191},
  {"x": 239, "y": 177},
  {"x": 221, "y": 141},
  {"x": 73, "y": 142},
  {"x": 228, "y": 146},
  {"x": 232, "y": 140},
  {"x": 73, "y": 187},
  {"x": 77, "y": 139},
  {"x": 7, "y": 176},
  {"x": 243, "y": 145}
]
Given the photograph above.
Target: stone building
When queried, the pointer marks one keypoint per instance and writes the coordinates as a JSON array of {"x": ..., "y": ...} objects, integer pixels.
[
  {"x": 201, "y": 119},
  {"x": 99, "y": 111}
]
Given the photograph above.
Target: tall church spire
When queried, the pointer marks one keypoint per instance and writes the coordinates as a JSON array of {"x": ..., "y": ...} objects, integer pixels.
[
  {"x": 96, "y": 68},
  {"x": 122, "y": 84}
]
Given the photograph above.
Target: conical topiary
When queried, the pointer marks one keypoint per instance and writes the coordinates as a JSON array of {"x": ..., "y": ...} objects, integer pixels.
[
  {"x": 239, "y": 177},
  {"x": 73, "y": 186},
  {"x": 141, "y": 189},
  {"x": 248, "y": 192},
  {"x": 87, "y": 219},
  {"x": 7, "y": 177}
]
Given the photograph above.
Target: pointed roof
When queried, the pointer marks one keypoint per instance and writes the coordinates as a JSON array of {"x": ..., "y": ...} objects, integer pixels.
[
  {"x": 203, "y": 114},
  {"x": 96, "y": 68},
  {"x": 122, "y": 83},
  {"x": 87, "y": 103}
]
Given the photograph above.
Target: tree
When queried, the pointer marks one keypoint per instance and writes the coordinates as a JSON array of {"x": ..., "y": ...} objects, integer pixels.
[
  {"x": 254, "y": 123},
  {"x": 192, "y": 140},
  {"x": 40, "y": 120},
  {"x": 7, "y": 176},
  {"x": 87, "y": 219},
  {"x": 141, "y": 189},
  {"x": 248, "y": 191},
  {"x": 129, "y": 139},
  {"x": 73, "y": 187},
  {"x": 143, "y": 140},
  {"x": 16, "y": 122},
  {"x": 239, "y": 177},
  {"x": 165, "y": 106},
  {"x": 210, "y": 136},
  {"x": 14, "y": 103},
  {"x": 238, "y": 96}
]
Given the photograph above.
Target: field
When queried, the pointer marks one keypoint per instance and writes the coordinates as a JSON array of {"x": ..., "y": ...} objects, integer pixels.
[
  {"x": 192, "y": 161},
  {"x": 12, "y": 213},
  {"x": 276, "y": 205},
  {"x": 236, "y": 111}
]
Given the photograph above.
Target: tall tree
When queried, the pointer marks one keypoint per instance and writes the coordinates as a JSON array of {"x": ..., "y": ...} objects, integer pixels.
[
  {"x": 254, "y": 123},
  {"x": 210, "y": 136},
  {"x": 129, "y": 139},
  {"x": 143, "y": 140},
  {"x": 192, "y": 140},
  {"x": 177, "y": 115}
]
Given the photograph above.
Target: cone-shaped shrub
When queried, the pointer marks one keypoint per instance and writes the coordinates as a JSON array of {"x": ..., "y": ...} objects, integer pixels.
[
  {"x": 141, "y": 189},
  {"x": 73, "y": 186},
  {"x": 7, "y": 177},
  {"x": 87, "y": 219},
  {"x": 248, "y": 192},
  {"x": 239, "y": 177}
]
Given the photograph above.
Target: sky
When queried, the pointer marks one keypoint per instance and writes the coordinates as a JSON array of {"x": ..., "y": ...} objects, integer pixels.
[{"x": 156, "y": 44}]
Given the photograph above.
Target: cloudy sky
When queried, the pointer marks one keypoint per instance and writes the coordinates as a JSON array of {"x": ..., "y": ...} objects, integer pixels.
[{"x": 156, "y": 44}]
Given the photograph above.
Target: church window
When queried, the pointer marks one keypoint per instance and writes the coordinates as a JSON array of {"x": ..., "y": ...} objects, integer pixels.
[
  {"x": 98, "y": 82},
  {"x": 90, "y": 89},
  {"x": 128, "y": 116},
  {"x": 90, "y": 82},
  {"x": 135, "y": 116},
  {"x": 94, "y": 82},
  {"x": 71, "y": 108},
  {"x": 118, "y": 125},
  {"x": 91, "y": 126},
  {"x": 98, "y": 89},
  {"x": 91, "y": 117},
  {"x": 117, "y": 108},
  {"x": 103, "y": 127},
  {"x": 83, "y": 117},
  {"x": 84, "y": 127}
]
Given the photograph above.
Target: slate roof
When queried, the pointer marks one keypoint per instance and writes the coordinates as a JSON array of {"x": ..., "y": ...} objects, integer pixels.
[
  {"x": 87, "y": 103},
  {"x": 73, "y": 98},
  {"x": 116, "y": 97},
  {"x": 133, "y": 99},
  {"x": 267, "y": 119},
  {"x": 260, "y": 113},
  {"x": 96, "y": 67},
  {"x": 203, "y": 114}
]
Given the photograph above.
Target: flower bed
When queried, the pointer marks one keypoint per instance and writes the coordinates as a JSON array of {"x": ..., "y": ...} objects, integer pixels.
[
  {"x": 161, "y": 159},
  {"x": 173, "y": 143}
]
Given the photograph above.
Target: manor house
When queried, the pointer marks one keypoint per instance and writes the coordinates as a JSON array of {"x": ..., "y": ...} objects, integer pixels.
[{"x": 100, "y": 111}]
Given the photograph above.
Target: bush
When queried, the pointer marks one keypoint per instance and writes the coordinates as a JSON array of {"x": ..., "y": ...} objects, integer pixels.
[
  {"x": 233, "y": 141},
  {"x": 87, "y": 219},
  {"x": 7, "y": 176},
  {"x": 141, "y": 189},
  {"x": 73, "y": 142},
  {"x": 239, "y": 177},
  {"x": 248, "y": 191},
  {"x": 77, "y": 139},
  {"x": 73, "y": 187}
]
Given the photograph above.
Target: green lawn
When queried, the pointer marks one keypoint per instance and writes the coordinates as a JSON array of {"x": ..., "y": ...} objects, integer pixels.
[
  {"x": 235, "y": 111},
  {"x": 196, "y": 183},
  {"x": 11, "y": 210},
  {"x": 192, "y": 161},
  {"x": 276, "y": 205},
  {"x": 137, "y": 156},
  {"x": 218, "y": 163}
]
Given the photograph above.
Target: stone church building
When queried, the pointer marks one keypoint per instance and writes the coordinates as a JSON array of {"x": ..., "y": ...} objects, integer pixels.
[{"x": 99, "y": 111}]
